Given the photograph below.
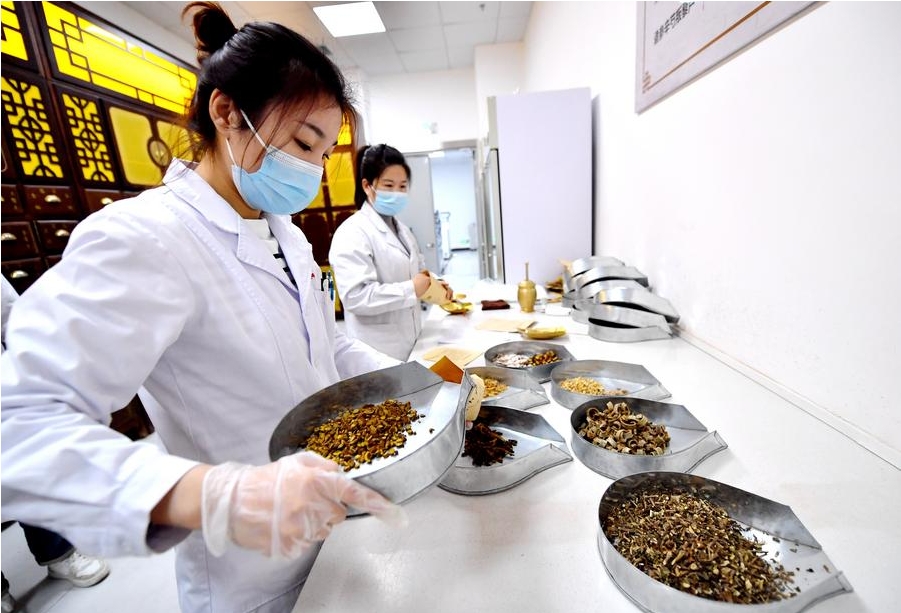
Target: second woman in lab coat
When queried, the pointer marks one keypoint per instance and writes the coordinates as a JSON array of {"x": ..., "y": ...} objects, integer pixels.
[
  {"x": 204, "y": 292},
  {"x": 379, "y": 270}
]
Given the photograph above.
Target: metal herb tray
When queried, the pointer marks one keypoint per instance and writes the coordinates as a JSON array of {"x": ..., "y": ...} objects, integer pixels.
[
  {"x": 538, "y": 447},
  {"x": 523, "y": 390},
  {"x": 690, "y": 442},
  {"x": 634, "y": 378},
  {"x": 541, "y": 372},
  {"x": 582, "y": 264},
  {"x": 775, "y": 525},
  {"x": 427, "y": 454},
  {"x": 589, "y": 310},
  {"x": 591, "y": 290},
  {"x": 613, "y": 333},
  {"x": 603, "y": 273},
  {"x": 637, "y": 298}
]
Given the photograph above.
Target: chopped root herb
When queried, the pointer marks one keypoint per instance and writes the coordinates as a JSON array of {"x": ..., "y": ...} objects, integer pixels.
[
  {"x": 486, "y": 446},
  {"x": 694, "y": 546},
  {"x": 360, "y": 435}
]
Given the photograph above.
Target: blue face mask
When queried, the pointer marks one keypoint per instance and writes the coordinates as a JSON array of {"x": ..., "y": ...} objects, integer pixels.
[
  {"x": 283, "y": 185},
  {"x": 390, "y": 203}
]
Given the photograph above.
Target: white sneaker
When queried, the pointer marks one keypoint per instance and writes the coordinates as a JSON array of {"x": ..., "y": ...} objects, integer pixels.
[
  {"x": 8, "y": 604},
  {"x": 80, "y": 570}
]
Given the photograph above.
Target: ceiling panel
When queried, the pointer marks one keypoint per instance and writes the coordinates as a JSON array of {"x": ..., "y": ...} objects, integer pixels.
[
  {"x": 421, "y": 61},
  {"x": 515, "y": 9},
  {"x": 464, "y": 12},
  {"x": 476, "y": 33},
  {"x": 376, "y": 65},
  {"x": 418, "y": 39},
  {"x": 421, "y": 35},
  {"x": 397, "y": 15}
]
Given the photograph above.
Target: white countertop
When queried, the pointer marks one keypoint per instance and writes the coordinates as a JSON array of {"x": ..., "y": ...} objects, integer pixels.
[{"x": 534, "y": 547}]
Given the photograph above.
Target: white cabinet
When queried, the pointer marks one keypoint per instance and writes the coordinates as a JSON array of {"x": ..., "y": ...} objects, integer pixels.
[{"x": 537, "y": 184}]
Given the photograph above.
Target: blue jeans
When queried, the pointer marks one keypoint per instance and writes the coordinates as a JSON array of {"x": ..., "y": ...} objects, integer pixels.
[{"x": 47, "y": 547}]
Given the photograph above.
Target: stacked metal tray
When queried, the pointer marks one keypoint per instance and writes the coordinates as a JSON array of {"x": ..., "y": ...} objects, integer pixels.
[
  {"x": 538, "y": 448},
  {"x": 570, "y": 297},
  {"x": 426, "y": 455},
  {"x": 523, "y": 390},
  {"x": 620, "y": 324},
  {"x": 780, "y": 531},
  {"x": 541, "y": 372},
  {"x": 634, "y": 378},
  {"x": 690, "y": 442}
]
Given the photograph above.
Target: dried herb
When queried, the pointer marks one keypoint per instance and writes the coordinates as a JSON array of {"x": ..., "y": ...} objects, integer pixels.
[
  {"x": 493, "y": 387},
  {"x": 360, "y": 435},
  {"x": 693, "y": 545},
  {"x": 589, "y": 387},
  {"x": 486, "y": 446},
  {"x": 618, "y": 429},
  {"x": 545, "y": 357}
]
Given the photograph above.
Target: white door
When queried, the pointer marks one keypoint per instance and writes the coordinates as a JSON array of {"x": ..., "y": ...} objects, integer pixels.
[{"x": 420, "y": 213}]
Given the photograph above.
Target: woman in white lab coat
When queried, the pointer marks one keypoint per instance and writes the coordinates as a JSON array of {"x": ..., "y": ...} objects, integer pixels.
[
  {"x": 204, "y": 292},
  {"x": 379, "y": 270}
]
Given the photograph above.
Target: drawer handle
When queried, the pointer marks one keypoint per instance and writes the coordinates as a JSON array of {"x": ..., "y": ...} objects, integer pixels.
[
  {"x": 52, "y": 199},
  {"x": 61, "y": 233},
  {"x": 8, "y": 237},
  {"x": 18, "y": 274},
  {"x": 106, "y": 200}
]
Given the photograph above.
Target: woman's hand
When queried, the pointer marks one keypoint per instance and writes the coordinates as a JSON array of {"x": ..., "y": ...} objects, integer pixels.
[
  {"x": 449, "y": 293},
  {"x": 282, "y": 508},
  {"x": 421, "y": 283}
]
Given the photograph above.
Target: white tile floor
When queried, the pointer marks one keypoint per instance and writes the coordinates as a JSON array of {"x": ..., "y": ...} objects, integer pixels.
[{"x": 138, "y": 585}]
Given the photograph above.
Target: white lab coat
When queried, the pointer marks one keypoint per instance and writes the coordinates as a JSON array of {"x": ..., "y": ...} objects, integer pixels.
[
  {"x": 374, "y": 275},
  {"x": 173, "y": 291}
]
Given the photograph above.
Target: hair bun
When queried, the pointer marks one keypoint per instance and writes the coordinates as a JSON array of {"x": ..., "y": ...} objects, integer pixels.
[{"x": 212, "y": 27}]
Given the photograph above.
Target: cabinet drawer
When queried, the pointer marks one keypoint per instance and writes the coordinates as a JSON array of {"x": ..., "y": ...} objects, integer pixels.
[
  {"x": 53, "y": 260},
  {"x": 46, "y": 201},
  {"x": 12, "y": 204},
  {"x": 96, "y": 199},
  {"x": 22, "y": 273},
  {"x": 18, "y": 240},
  {"x": 55, "y": 234}
]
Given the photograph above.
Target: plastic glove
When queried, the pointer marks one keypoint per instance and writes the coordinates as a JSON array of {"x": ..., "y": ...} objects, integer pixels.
[{"x": 282, "y": 508}]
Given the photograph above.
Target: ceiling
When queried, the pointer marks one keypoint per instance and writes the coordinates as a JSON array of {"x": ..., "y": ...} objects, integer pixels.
[{"x": 420, "y": 36}]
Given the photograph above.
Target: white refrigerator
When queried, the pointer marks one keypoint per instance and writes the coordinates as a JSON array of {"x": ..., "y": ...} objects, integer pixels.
[{"x": 536, "y": 185}]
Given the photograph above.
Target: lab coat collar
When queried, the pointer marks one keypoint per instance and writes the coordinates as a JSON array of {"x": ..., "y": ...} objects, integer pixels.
[
  {"x": 370, "y": 214},
  {"x": 192, "y": 189}
]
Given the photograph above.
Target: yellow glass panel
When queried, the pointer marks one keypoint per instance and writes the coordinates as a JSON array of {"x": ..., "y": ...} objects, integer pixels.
[
  {"x": 133, "y": 134},
  {"x": 319, "y": 200},
  {"x": 13, "y": 44},
  {"x": 339, "y": 172},
  {"x": 344, "y": 135},
  {"x": 87, "y": 52},
  {"x": 176, "y": 138},
  {"x": 32, "y": 141},
  {"x": 91, "y": 142}
]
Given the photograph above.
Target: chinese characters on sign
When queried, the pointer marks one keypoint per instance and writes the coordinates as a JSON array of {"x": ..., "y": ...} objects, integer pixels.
[{"x": 675, "y": 18}]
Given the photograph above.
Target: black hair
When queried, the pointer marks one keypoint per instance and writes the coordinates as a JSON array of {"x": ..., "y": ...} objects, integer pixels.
[
  {"x": 372, "y": 162},
  {"x": 261, "y": 66}
]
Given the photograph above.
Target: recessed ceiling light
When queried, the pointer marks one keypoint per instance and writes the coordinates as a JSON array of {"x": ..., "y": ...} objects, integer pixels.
[{"x": 350, "y": 19}]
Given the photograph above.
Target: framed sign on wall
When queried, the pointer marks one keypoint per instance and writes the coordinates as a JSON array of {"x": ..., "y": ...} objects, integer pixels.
[{"x": 680, "y": 41}]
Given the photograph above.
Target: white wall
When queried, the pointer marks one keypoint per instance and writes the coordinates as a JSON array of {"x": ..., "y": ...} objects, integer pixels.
[
  {"x": 498, "y": 71},
  {"x": 402, "y": 107},
  {"x": 763, "y": 200},
  {"x": 453, "y": 188}
]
